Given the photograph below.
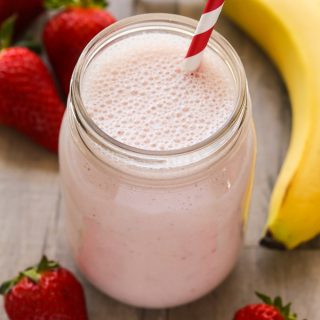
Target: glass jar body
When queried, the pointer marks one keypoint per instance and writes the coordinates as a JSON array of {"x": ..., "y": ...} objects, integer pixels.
[
  {"x": 155, "y": 245},
  {"x": 156, "y": 230}
]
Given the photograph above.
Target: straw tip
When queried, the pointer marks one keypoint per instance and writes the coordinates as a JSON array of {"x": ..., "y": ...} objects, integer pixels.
[{"x": 190, "y": 65}]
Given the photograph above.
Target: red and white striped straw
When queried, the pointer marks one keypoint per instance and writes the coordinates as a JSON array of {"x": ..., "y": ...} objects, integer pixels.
[{"x": 202, "y": 35}]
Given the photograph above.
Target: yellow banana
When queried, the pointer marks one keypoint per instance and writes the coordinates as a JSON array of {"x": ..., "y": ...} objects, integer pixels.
[{"x": 288, "y": 31}]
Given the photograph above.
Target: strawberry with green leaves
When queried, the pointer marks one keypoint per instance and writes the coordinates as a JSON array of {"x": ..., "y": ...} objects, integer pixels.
[
  {"x": 268, "y": 310},
  {"x": 44, "y": 292},
  {"x": 69, "y": 31},
  {"x": 28, "y": 98}
]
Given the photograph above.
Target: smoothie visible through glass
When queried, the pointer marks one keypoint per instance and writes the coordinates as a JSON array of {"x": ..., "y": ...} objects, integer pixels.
[
  {"x": 156, "y": 165},
  {"x": 136, "y": 92}
]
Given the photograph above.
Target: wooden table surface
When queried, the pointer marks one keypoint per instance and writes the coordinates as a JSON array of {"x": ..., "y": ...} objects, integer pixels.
[{"x": 32, "y": 222}]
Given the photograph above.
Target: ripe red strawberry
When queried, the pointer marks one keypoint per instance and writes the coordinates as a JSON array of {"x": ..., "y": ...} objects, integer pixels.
[
  {"x": 44, "y": 292},
  {"x": 67, "y": 33},
  {"x": 268, "y": 310},
  {"x": 26, "y": 11},
  {"x": 28, "y": 98}
]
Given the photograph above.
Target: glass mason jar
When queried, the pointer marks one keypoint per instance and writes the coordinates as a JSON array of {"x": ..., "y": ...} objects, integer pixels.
[{"x": 156, "y": 228}]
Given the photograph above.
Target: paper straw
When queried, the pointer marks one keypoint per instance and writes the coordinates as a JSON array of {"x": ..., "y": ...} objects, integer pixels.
[{"x": 202, "y": 35}]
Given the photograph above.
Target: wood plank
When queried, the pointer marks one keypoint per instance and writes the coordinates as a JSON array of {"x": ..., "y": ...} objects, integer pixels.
[
  {"x": 154, "y": 315},
  {"x": 29, "y": 192},
  {"x": 191, "y": 8},
  {"x": 147, "y": 6},
  {"x": 121, "y": 8},
  {"x": 293, "y": 275}
]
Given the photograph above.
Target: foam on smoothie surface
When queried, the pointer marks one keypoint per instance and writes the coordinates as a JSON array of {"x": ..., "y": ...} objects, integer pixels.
[{"x": 136, "y": 92}]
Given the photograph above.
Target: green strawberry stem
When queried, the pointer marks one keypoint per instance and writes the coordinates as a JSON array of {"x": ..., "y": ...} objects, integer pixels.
[
  {"x": 58, "y": 4},
  {"x": 6, "y": 32},
  {"x": 31, "y": 44},
  {"x": 85, "y": 3},
  {"x": 32, "y": 273},
  {"x": 277, "y": 303}
]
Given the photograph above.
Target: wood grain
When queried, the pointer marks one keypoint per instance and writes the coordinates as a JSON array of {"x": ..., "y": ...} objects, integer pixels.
[{"x": 32, "y": 221}]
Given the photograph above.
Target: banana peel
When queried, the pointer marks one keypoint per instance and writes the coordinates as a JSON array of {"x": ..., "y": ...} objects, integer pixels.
[{"x": 287, "y": 30}]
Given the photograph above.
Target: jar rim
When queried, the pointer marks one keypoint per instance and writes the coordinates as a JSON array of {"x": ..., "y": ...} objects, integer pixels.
[{"x": 167, "y": 22}]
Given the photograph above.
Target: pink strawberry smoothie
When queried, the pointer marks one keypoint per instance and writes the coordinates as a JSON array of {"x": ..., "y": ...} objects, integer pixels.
[
  {"x": 166, "y": 236},
  {"x": 140, "y": 97}
]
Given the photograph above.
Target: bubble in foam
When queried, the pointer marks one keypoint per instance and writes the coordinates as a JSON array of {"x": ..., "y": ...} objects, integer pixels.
[{"x": 147, "y": 102}]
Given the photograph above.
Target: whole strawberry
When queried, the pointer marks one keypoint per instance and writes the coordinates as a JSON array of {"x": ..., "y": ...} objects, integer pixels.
[
  {"x": 268, "y": 310},
  {"x": 26, "y": 11},
  {"x": 68, "y": 32},
  {"x": 28, "y": 98},
  {"x": 44, "y": 292}
]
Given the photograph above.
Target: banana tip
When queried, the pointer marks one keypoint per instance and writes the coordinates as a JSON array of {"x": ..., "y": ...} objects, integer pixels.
[{"x": 268, "y": 241}]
